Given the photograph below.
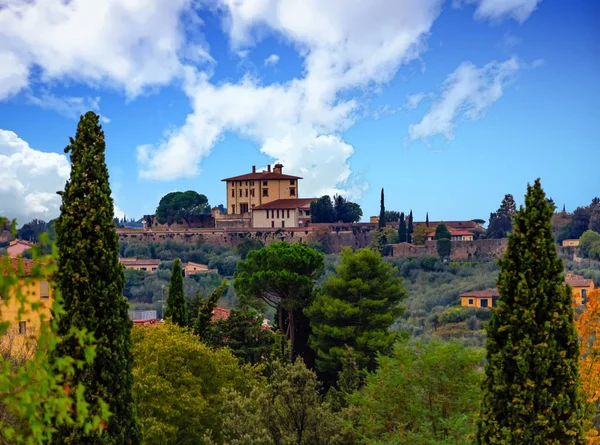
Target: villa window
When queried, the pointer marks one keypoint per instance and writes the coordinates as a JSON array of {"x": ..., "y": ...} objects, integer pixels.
[
  {"x": 246, "y": 192},
  {"x": 239, "y": 182},
  {"x": 471, "y": 301},
  {"x": 292, "y": 181},
  {"x": 22, "y": 327},
  {"x": 277, "y": 213},
  {"x": 240, "y": 193},
  {"x": 232, "y": 193},
  {"x": 282, "y": 223},
  {"x": 233, "y": 209},
  {"x": 484, "y": 302},
  {"x": 265, "y": 192},
  {"x": 292, "y": 191},
  {"x": 288, "y": 213},
  {"x": 44, "y": 290},
  {"x": 252, "y": 193},
  {"x": 273, "y": 224},
  {"x": 264, "y": 183}
]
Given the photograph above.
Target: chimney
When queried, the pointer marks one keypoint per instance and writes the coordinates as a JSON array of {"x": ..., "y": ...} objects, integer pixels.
[
  {"x": 269, "y": 168},
  {"x": 278, "y": 168},
  {"x": 254, "y": 169}
]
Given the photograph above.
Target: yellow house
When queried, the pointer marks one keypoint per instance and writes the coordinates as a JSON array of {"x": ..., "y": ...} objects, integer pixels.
[
  {"x": 481, "y": 299},
  {"x": 570, "y": 243},
  {"x": 24, "y": 326},
  {"x": 140, "y": 264},
  {"x": 247, "y": 191},
  {"x": 580, "y": 287},
  {"x": 191, "y": 268}
]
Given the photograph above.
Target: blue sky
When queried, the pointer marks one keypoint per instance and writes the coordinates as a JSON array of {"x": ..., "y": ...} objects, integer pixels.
[{"x": 448, "y": 105}]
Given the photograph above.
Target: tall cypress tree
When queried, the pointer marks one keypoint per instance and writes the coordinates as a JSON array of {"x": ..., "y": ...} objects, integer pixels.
[
  {"x": 531, "y": 385},
  {"x": 176, "y": 307},
  {"x": 409, "y": 229},
  {"x": 382, "y": 211},
  {"x": 402, "y": 229},
  {"x": 91, "y": 281},
  {"x": 427, "y": 219}
]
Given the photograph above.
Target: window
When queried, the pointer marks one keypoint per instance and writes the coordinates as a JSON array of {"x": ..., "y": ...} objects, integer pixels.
[
  {"x": 154, "y": 268},
  {"x": 240, "y": 182},
  {"x": 252, "y": 183},
  {"x": 471, "y": 301},
  {"x": 233, "y": 209},
  {"x": 232, "y": 193},
  {"x": 583, "y": 296},
  {"x": 264, "y": 183},
  {"x": 244, "y": 208},
  {"x": 292, "y": 191},
  {"x": 252, "y": 193},
  {"x": 44, "y": 290},
  {"x": 272, "y": 223},
  {"x": 292, "y": 182},
  {"x": 288, "y": 213},
  {"x": 22, "y": 327},
  {"x": 246, "y": 183},
  {"x": 142, "y": 268},
  {"x": 241, "y": 193},
  {"x": 484, "y": 302},
  {"x": 265, "y": 192},
  {"x": 277, "y": 213},
  {"x": 307, "y": 212},
  {"x": 282, "y": 223},
  {"x": 246, "y": 192}
]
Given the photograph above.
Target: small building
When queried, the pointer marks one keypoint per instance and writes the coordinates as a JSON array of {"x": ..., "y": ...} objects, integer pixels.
[
  {"x": 481, "y": 299},
  {"x": 580, "y": 287},
  {"x": 374, "y": 220},
  {"x": 455, "y": 235},
  {"x": 17, "y": 247},
  {"x": 220, "y": 313},
  {"x": 191, "y": 268},
  {"x": 147, "y": 265},
  {"x": 282, "y": 213},
  {"x": 570, "y": 243}
]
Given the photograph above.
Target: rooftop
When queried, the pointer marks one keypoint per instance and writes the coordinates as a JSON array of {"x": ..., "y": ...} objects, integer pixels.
[
  {"x": 455, "y": 233},
  {"x": 578, "y": 281},
  {"x": 488, "y": 293},
  {"x": 286, "y": 204},
  {"x": 138, "y": 262},
  {"x": 263, "y": 175}
]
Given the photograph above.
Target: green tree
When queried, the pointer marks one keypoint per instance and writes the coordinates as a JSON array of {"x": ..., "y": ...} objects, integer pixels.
[
  {"x": 176, "y": 309},
  {"x": 32, "y": 230},
  {"x": 289, "y": 410},
  {"x": 501, "y": 221},
  {"x": 392, "y": 216},
  {"x": 382, "y": 221},
  {"x": 595, "y": 219},
  {"x": 346, "y": 211},
  {"x": 90, "y": 280},
  {"x": 587, "y": 242},
  {"x": 203, "y": 323},
  {"x": 355, "y": 307},
  {"x": 282, "y": 276},
  {"x": 426, "y": 393},
  {"x": 409, "y": 228},
  {"x": 420, "y": 235},
  {"x": 531, "y": 385},
  {"x": 402, "y": 229},
  {"x": 35, "y": 396},
  {"x": 175, "y": 207},
  {"x": 442, "y": 232},
  {"x": 322, "y": 210},
  {"x": 580, "y": 222},
  {"x": 427, "y": 219},
  {"x": 179, "y": 383}
]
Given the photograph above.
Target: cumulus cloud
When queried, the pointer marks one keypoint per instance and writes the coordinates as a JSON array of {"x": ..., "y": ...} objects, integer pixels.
[
  {"x": 272, "y": 60},
  {"x": 465, "y": 95},
  {"x": 68, "y": 106},
  {"x": 29, "y": 180},
  {"x": 519, "y": 10},
  {"x": 414, "y": 100},
  {"x": 345, "y": 45},
  {"x": 128, "y": 44}
]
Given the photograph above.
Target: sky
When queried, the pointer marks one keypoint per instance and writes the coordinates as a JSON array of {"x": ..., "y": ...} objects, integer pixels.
[{"x": 447, "y": 105}]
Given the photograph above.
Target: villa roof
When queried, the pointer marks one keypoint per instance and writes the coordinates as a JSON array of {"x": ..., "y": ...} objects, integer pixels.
[
  {"x": 450, "y": 224},
  {"x": 578, "y": 281},
  {"x": 138, "y": 262},
  {"x": 488, "y": 293},
  {"x": 286, "y": 204},
  {"x": 260, "y": 176},
  {"x": 455, "y": 233}
]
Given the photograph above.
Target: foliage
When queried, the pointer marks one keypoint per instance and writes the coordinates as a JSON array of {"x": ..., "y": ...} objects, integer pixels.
[
  {"x": 426, "y": 393},
  {"x": 409, "y": 228},
  {"x": 345, "y": 211},
  {"x": 392, "y": 216},
  {"x": 248, "y": 245},
  {"x": 595, "y": 219},
  {"x": 419, "y": 235},
  {"x": 288, "y": 411},
  {"x": 322, "y": 211},
  {"x": 580, "y": 221},
  {"x": 444, "y": 248},
  {"x": 442, "y": 232},
  {"x": 32, "y": 230},
  {"x": 589, "y": 245},
  {"x": 402, "y": 229},
  {"x": 176, "y": 309},
  {"x": 179, "y": 383},
  {"x": 355, "y": 308},
  {"x": 90, "y": 279},
  {"x": 35, "y": 397},
  {"x": 531, "y": 385},
  {"x": 176, "y": 207},
  {"x": 501, "y": 221},
  {"x": 382, "y": 221},
  {"x": 282, "y": 276},
  {"x": 203, "y": 323}
]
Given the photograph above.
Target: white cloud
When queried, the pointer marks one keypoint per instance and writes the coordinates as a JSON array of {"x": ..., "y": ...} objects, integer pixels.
[
  {"x": 128, "y": 44},
  {"x": 519, "y": 10},
  {"x": 118, "y": 212},
  {"x": 271, "y": 60},
  {"x": 414, "y": 100},
  {"x": 104, "y": 120},
  {"x": 466, "y": 94},
  {"x": 537, "y": 63},
  {"x": 71, "y": 107},
  {"x": 29, "y": 180},
  {"x": 345, "y": 45}
]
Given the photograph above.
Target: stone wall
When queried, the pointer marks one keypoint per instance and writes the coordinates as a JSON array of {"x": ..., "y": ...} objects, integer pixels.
[{"x": 461, "y": 250}]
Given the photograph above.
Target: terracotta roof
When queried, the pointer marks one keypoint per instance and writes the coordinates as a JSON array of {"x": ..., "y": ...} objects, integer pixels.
[
  {"x": 260, "y": 176},
  {"x": 220, "y": 314},
  {"x": 22, "y": 241},
  {"x": 455, "y": 233},
  {"x": 578, "y": 281},
  {"x": 450, "y": 224},
  {"x": 286, "y": 204},
  {"x": 481, "y": 293},
  {"x": 26, "y": 264},
  {"x": 138, "y": 262}
]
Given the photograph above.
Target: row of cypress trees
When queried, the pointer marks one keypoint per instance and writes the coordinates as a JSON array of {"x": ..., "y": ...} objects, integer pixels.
[{"x": 531, "y": 373}]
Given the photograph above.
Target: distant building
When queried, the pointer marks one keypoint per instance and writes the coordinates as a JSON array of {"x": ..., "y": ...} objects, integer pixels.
[
  {"x": 140, "y": 264},
  {"x": 481, "y": 299},
  {"x": 191, "y": 268},
  {"x": 580, "y": 287},
  {"x": 455, "y": 235},
  {"x": 282, "y": 213},
  {"x": 570, "y": 243},
  {"x": 223, "y": 314},
  {"x": 470, "y": 226},
  {"x": 17, "y": 247}
]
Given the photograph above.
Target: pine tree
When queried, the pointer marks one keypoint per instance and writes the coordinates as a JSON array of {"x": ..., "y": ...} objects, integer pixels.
[
  {"x": 91, "y": 280},
  {"x": 203, "y": 323},
  {"x": 409, "y": 229},
  {"x": 176, "y": 306},
  {"x": 531, "y": 385},
  {"x": 402, "y": 229},
  {"x": 382, "y": 211},
  {"x": 427, "y": 219}
]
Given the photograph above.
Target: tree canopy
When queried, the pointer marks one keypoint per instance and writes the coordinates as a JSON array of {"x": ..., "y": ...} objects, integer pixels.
[
  {"x": 176, "y": 309},
  {"x": 176, "y": 207},
  {"x": 326, "y": 210}
]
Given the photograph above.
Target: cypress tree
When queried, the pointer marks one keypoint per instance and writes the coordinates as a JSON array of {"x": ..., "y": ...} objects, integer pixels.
[
  {"x": 402, "y": 229},
  {"x": 91, "y": 281},
  {"x": 531, "y": 384},
  {"x": 382, "y": 211},
  {"x": 176, "y": 307},
  {"x": 427, "y": 219},
  {"x": 409, "y": 229}
]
